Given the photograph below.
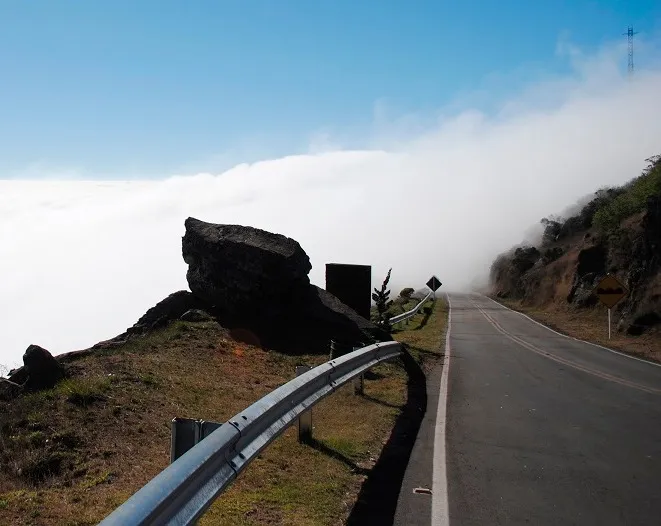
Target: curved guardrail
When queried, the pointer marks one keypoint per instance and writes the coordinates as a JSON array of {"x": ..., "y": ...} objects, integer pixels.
[
  {"x": 183, "y": 491},
  {"x": 409, "y": 314}
]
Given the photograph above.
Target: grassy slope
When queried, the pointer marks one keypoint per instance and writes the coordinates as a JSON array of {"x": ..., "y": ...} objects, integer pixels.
[{"x": 72, "y": 454}]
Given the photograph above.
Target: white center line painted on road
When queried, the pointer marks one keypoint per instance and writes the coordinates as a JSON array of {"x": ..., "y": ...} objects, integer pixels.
[
  {"x": 572, "y": 337},
  {"x": 440, "y": 512},
  {"x": 551, "y": 356}
]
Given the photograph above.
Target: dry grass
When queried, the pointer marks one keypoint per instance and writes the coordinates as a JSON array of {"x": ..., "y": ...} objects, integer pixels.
[
  {"x": 70, "y": 455},
  {"x": 299, "y": 484},
  {"x": 424, "y": 334},
  {"x": 590, "y": 325}
]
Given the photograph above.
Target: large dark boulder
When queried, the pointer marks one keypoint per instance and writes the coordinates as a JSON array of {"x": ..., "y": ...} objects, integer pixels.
[
  {"x": 257, "y": 285},
  {"x": 311, "y": 320},
  {"x": 237, "y": 268},
  {"x": 41, "y": 369}
]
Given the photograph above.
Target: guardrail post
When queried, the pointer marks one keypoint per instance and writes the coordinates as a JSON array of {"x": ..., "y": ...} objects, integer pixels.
[
  {"x": 359, "y": 382},
  {"x": 184, "y": 432},
  {"x": 359, "y": 385},
  {"x": 188, "y": 432},
  {"x": 305, "y": 418}
]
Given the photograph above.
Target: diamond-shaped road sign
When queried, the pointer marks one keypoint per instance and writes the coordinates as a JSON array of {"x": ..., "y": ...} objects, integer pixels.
[
  {"x": 434, "y": 283},
  {"x": 610, "y": 291}
]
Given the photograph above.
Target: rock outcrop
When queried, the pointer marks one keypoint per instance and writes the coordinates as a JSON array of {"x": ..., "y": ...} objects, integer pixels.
[
  {"x": 40, "y": 370},
  {"x": 196, "y": 316},
  {"x": 238, "y": 269},
  {"x": 508, "y": 269},
  {"x": 257, "y": 283},
  {"x": 171, "y": 308},
  {"x": 590, "y": 269}
]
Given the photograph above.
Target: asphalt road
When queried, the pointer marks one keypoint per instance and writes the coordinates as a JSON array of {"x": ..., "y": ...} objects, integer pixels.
[{"x": 546, "y": 430}]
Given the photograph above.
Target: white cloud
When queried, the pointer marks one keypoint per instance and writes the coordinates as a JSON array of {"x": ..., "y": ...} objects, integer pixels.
[{"x": 80, "y": 261}]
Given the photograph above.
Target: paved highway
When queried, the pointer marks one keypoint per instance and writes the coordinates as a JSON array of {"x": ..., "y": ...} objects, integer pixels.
[{"x": 537, "y": 429}]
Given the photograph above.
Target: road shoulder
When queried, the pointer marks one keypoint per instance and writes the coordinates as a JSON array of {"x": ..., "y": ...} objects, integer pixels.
[{"x": 414, "y": 508}]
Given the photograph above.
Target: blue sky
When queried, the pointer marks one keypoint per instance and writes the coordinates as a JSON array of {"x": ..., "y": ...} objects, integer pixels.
[{"x": 128, "y": 89}]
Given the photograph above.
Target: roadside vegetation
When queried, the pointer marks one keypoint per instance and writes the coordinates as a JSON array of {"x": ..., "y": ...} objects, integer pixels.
[
  {"x": 616, "y": 231},
  {"x": 424, "y": 335},
  {"x": 609, "y": 206}
]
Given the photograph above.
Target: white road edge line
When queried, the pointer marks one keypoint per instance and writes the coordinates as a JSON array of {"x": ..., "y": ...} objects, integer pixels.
[
  {"x": 571, "y": 337},
  {"x": 440, "y": 511}
]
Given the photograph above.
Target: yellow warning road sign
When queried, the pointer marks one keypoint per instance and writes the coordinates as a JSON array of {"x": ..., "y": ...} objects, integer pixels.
[{"x": 610, "y": 291}]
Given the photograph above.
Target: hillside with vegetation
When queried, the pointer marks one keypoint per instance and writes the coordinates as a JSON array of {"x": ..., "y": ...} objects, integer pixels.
[{"x": 615, "y": 231}]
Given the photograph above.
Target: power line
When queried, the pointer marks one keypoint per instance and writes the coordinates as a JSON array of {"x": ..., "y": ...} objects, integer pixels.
[{"x": 630, "y": 33}]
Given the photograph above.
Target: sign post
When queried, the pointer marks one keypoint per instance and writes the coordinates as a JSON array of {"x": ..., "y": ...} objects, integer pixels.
[
  {"x": 434, "y": 284},
  {"x": 610, "y": 291}
]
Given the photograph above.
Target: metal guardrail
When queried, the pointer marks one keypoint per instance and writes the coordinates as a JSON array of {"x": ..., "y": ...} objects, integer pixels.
[
  {"x": 183, "y": 491},
  {"x": 409, "y": 314}
]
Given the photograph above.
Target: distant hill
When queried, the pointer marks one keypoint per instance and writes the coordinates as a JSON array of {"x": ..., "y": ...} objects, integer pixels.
[{"x": 616, "y": 231}]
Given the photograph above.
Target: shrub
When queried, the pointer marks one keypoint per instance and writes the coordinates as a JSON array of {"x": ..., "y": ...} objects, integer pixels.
[
  {"x": 406, "y": 293},
  {"x": 84, "y": 391},
  {"x": 552, "y": 228},
  {"x": 38, "y": 464},
  {"x": 524, "y": 258},
  {"x": 609, "y": 206},
  {"x": 66, "y": 440},
  {"x": 630, "y": 199}
]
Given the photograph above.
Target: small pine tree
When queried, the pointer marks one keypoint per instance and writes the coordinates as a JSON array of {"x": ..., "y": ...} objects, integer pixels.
[{"x": 380, "y": 297}]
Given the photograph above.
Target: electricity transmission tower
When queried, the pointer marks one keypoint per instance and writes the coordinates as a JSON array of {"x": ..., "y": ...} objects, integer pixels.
[{"x": 630, "y": 33}]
